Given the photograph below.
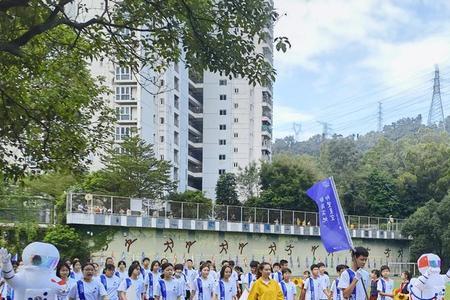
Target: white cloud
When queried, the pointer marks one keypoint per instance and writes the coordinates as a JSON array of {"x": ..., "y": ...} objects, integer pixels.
[{"x": 285, "y": 117}]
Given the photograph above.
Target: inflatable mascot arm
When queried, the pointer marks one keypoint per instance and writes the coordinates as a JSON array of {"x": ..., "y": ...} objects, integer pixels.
[
  {"x": 431, "y": 284},
  {"x": 36, "y": 279}
]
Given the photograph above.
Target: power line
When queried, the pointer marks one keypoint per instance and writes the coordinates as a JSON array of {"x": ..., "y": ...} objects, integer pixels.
[{"x": 380, "y": 117}]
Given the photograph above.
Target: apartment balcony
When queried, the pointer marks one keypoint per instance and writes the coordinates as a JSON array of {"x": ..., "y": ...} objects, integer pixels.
[
  {"x": 267, "y": 99},
  {"x": 267, "y": 116},
  {"x": 196, "y": 112},
  {"x": 195, "y": 171},
  {"x": 266, "y": 145},
  {"x": 194, "y": 130},
  {"x": 195, "y": 141},
  {"x": 266, "y": 130}
]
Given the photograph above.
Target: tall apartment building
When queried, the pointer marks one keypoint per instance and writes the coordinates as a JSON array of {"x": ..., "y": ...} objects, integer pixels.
[{"x": 204, "y": 124}]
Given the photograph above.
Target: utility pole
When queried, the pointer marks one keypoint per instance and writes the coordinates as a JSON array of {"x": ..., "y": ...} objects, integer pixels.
[
  {"x": 436, "y": 114},
  {"x": 297, "y": 127},
  {"x": 380, "y": 117}
]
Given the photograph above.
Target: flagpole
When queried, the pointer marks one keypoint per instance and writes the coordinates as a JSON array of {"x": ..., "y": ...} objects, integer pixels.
[{"x": 341, "y": 212}]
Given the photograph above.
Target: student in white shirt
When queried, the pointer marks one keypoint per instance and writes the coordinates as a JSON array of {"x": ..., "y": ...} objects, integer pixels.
[
  {"x": 250, "y": 277},
  {"x": 385, "y": 285},
  {"x": 226, "y": 289},
  {"x": 234, "y": 275},
  {"x": 146, "y": 265},
  {"x": 122, "y": 270},
  {"x": 133, "y": 282},
  {"x": 325, "y": 281},
  {"x": 151, "y": 279},
  {"x": 355, "y": 281},
  {"x": 277, "y": 272},
  {"x": 76, "y": 274},
  {"x": 167, "y": 288},
  {"x": 313, "y": 285},
  {"x": 87, "y": 288},
  {"x": 181, "y": 278},
  {"x": 337, "y": 293},
  {"x": 63, "y": 272},
  {"x": 203, "y": 286},
  {"x": 287, "y": 286},
  {"x": 111, "y": 282}
]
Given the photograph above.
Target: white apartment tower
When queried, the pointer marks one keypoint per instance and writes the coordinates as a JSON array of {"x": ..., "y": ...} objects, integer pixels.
[{"x": 204, "y": 124}]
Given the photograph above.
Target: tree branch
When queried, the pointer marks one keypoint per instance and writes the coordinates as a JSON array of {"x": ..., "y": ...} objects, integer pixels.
[{"x": 7, "y": 4}]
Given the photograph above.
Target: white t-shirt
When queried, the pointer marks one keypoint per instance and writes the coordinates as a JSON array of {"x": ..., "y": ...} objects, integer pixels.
[
  {"x": 190, "y": 275},
  {"x": 389, "y": 287},
  {"x": 112, "y": 284},
  {"x": 78, "y": 276},
  {"x": 230, "y": 289},
  {"x": 207, "y": 286},
  {"x": 93, "y": 290},
  {"x": 122, "y": 275},
  {"x": 277, "y": 276},
  {"x": 182, "y": 281},
  {"x": 249, "y": 279},
  {"x": 313, "y": 288},
  {"x": 173, "y": 290},
  {"x": 337, "y": 293},
  {"x": 234, "y": 276},
  {"x": 291, "y": 290},
  {"x": 138, "y": 285},
  {"x": 150, "y": 290},
  {"x": 325, "y": 284},
  {"x": 361, "y": 290}
]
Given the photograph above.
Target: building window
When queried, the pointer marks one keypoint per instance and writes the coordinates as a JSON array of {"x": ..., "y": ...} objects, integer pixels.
[
  {"x": 175, "y": 156},
  {"x": 223, "y": 97},
  {"x": 223, "y": 112},
  {"x": 123, "y": 73},
  {"x": 236, "y": 91},
  {"x": 161, "y": 120},
  {"x": 176, "y": 67},
  {"x": 161, "y": 101},
  {"x": 176, "y": 83},
  {"x": 161, "y": 139},
  {"x": 176, "y": 101},
  {"x": 123, "y": 93},
  {"x": 235, "y": 164},
  {"x": 176, "y": 120},
  {"x": 222, "y": 142},
  {"x": 236, "y": 120},
  {"x": 236, "y": 105},
  {"x": 162, "y": 156},
  {"x": 221, "y": 156},
  {"x": 123, "y": 113},
  {"x": 221, "y": 171},
  {"x": 222, "y": 82},
  {"x": 236, "y": 135},
  {"x": 236, "y": 150},
  {"x": 176, "y": 138},
  {"x": 222, "y": 127},
  {"x": 175, "y": 173},
  {"x": 122, "y": 133}
]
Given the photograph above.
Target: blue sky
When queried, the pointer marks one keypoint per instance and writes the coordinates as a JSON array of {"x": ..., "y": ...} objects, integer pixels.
[{"x": 347, "y": 55}]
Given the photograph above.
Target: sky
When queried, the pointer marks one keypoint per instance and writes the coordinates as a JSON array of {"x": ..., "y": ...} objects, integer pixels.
[{"x": 349, "y": 55}]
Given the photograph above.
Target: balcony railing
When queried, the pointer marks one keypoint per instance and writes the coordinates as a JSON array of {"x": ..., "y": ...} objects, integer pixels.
[
  {"x": 103, "y": 204},
  {"x": 266, "y": 128}
]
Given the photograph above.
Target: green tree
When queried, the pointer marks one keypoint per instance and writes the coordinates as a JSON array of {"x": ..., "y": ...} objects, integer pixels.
[
  {"x": 68, "y": 241},
  {"x": 226, "y": 190},
  {"x": 134, "y": 171},
  {"x": 195, "y": 202},
  {"x": 248, "y": 181}
]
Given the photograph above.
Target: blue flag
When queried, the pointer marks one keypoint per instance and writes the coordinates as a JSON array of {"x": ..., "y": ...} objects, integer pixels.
[{"x": 333, "y": 228}]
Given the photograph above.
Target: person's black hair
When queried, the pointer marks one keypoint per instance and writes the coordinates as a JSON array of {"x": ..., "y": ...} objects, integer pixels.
[
  {"x": 60, "y": 266},
  {"x": 87, "y": 264},
  {"x": 136, "y": 262},
  {"x": 224, "y": 261},
  {"x": 165, "y": 266},
  {"x": 340, "y": 268},
  {"x": 287, "y": 270},
  {"x": 204, "y": 265},
  {"x": 276, "y": 265},
  {"x": 408, "y": 275},
  {"x": 145, "y": 258},
  {"x": 222, "y": 271},
  {"x": 153, "y": 264},
  {"x": 384, "y": 267},
  {"x": 232, "y": 263},
  {"x": 283, "y": 262},
  {"x": 313, "y": 266},
  {"x": 189, "y": 260},
  {"x": 178, "y": 267},
  {"x": 254, "y": 264},
  {"x": 201, "y": 263},
  {"x": 321, "y": 264},
  {"x": 161, "y": 262},
  {"x": 208, "y": 262},
  {"x": 238, "y": 269},
  {"x": 376, "y": 272},
  {"x": 122, "y": 262},
  {"x": 359, "y": 251},
  {"x": 133, "y": 267},
  {"x": 110, "y": 267},
  {"x": 109, "y": 257}
]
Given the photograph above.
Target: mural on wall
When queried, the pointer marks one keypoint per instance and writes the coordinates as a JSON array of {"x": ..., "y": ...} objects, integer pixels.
[{"x": 300, "y": 251}]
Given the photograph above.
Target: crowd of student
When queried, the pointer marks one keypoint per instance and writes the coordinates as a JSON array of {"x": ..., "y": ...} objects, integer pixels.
[{"x": 161, "y": 280}]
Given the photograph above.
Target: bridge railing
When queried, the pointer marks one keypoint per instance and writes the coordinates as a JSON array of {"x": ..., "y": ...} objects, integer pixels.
[{"x": 104, "y": 204}]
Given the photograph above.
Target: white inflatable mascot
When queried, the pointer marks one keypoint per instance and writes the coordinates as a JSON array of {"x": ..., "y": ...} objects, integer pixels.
[
  {"x": 36, "y": 279},
  {"x": 431, "y": 284}
]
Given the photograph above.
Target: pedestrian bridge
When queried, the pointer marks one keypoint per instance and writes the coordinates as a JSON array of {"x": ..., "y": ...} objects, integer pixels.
[{"x": 90, "y": 209}]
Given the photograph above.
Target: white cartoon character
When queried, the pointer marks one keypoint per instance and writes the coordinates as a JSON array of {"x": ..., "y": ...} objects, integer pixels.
[
  {"x": 36, "y": 279},
  {"x": 431, "y": 284}
]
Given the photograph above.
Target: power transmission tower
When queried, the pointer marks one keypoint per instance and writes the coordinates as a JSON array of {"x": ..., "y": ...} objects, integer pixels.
[
  {"x": 326, "y": 128},
  {"x": 297, "y": 127},
  {"x": 436, "y": 114},
  {"x": 380, "y": 117}
]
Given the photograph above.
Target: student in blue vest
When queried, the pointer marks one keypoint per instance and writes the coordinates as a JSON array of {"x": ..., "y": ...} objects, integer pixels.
[
  {"x": 250, "y": 277},
  {"x": 87, "y": 288},
  {"x": 151, "y": 279},
  {"x": 354, "y": 281},
  {"x": 203, "y": 286},
  {"x": 167, "y": 288},
  {"x": 133, "y": 280},
  {"x": 337, "y": 293},
  {"x": 226, "y": 288},
  {"x": 277, "y": 272},
  {"x": 111, "y": 282},
  {"x": 313, "y": 286},
  {"x": 287, "y": 286},
  {"x": 385, "y": 285}
]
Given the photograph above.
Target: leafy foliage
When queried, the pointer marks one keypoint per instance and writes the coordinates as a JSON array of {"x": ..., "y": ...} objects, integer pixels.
[
  {"x": 226, "y": 190},
  {"x": 68, "y": 241}
]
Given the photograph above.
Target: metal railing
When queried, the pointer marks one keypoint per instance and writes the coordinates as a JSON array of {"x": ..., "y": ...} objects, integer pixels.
[
  {"x": 104, "y": 204},
  {"x": 16, "y": 215}
]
